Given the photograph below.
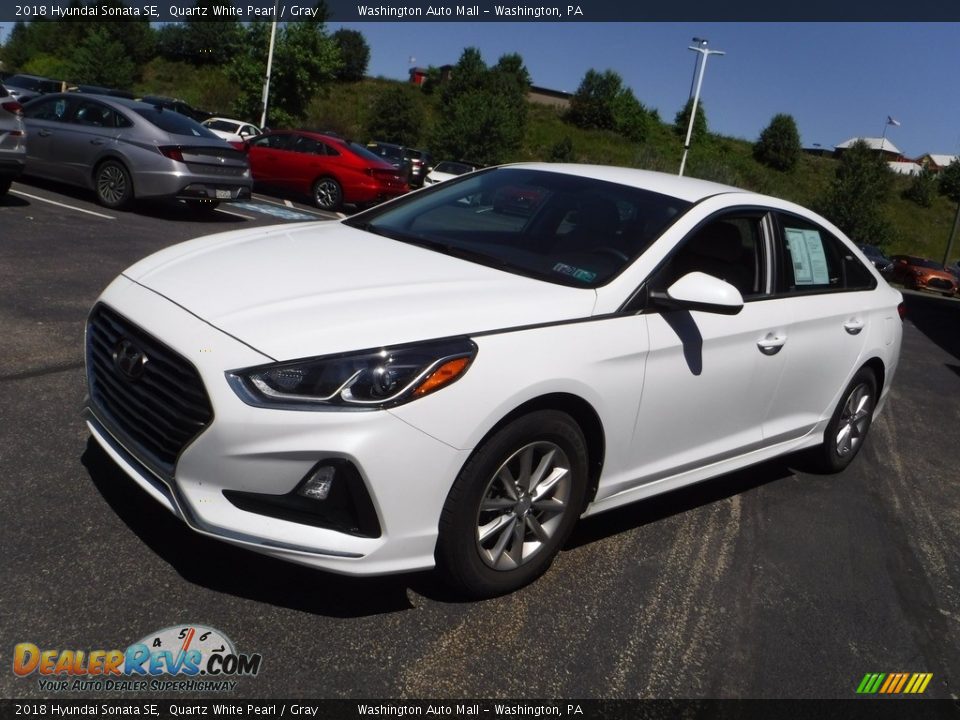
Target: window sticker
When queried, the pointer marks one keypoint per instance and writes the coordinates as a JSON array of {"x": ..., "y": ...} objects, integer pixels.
[
  {"x": 576, "y": 273},
  {"x": 809, "y": 257}
]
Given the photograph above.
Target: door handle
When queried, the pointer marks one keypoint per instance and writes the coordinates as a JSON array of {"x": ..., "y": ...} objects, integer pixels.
[
  {"x": 96, "y": 141},
  {"x": 43, "y": 133},
  {"x": 771, "y": 344},
  {"x": 853, "y": 326}
]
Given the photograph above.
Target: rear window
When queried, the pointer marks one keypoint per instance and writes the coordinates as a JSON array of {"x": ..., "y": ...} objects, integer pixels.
[
  {"x": 222, "y": 126},
  {"x": 365, "y": 154},
  {"x": 174, "y": 122}
]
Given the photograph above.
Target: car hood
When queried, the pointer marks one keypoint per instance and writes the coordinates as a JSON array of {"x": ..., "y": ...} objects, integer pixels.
[{"x": 315, "y": 288}]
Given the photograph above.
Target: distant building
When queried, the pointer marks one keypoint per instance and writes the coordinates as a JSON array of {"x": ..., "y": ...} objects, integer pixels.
[
  {"x": 546, "y": 96},
  {"x": 420, "y": 75},
  {"x": 936, "y": 163},
  {"x": 905, "y": 167},
  {"x": 889, "y": 150}
]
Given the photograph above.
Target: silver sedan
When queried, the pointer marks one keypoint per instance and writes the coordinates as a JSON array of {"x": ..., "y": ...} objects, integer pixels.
[{"x": 123, "y": 149}]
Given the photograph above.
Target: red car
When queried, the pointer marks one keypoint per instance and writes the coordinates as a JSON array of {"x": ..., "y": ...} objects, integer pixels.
[
  {"x": 922, "y": 274},
  {"x": 329, "y": 169}
]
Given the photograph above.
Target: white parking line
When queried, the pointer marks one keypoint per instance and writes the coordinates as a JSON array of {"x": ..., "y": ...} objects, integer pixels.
[
  {"x": 63, "y": 205},
  {"x": 236, "y": 214}
]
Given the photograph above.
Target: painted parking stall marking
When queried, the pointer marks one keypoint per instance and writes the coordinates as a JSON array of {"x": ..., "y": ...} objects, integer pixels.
[
  {"x": 275, "y": 210},
  {"x": 63, "y": 205}
]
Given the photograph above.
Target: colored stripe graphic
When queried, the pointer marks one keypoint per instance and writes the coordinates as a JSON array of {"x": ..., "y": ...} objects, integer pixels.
[{"x": 894, "y": 683}]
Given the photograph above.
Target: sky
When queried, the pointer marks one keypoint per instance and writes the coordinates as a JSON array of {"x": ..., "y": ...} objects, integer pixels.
[{"x": 837, "y": 80}]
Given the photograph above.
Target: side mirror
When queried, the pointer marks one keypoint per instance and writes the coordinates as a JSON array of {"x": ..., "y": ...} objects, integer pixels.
[{"x": 699, "y": 291}]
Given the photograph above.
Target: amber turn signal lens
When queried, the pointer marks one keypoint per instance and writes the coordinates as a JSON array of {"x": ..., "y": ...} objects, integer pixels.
[{"x": 446, "y": 373}]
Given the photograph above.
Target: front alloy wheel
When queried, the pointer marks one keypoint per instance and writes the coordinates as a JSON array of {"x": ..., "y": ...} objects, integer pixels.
[
  {"x": 513, "y": 505},
  {"x": 523, "y": 505}
]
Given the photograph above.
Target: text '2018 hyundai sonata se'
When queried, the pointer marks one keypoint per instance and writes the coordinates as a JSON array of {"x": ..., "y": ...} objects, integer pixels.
[{"x": 436, "y": 382}]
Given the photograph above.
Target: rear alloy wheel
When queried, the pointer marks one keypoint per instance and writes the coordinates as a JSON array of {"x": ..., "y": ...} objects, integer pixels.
[
  {"x": 850, "y": 423},
  {"x": 514, "y": 505},
  {"x": 113, "y": 185},
  {"x": 327, "y": 194}
]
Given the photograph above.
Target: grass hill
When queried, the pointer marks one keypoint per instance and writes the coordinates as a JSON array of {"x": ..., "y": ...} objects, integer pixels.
[{"x": 346, "y": 108}]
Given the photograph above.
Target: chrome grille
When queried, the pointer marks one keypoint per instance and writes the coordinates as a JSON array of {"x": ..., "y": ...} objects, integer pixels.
[{"x": 157, "y": 412}]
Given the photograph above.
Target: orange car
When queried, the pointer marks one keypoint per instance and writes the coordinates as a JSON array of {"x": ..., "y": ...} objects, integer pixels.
[{"x": 922, "y": 274}]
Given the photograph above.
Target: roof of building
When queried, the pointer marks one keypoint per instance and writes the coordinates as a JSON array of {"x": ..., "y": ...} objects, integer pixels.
[
  {"x": 872, "y": 143},
  {"x": 941, "y": 160}
]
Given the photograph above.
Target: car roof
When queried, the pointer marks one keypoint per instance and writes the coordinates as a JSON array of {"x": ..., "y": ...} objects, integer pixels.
[
  {"x": 684, "y": 188},
  {"x": 112, "y": 100},
  {"x": 226, "y": 119}
]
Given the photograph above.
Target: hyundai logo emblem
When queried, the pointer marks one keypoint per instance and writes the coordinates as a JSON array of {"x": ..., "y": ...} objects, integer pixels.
[{"x": 129, "y": 359}]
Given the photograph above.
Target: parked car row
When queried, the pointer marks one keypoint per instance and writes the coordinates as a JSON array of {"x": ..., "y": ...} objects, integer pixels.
[{"x": 123, "y": 147}]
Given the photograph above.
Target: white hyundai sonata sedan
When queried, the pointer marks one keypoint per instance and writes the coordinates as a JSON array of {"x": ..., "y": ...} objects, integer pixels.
[{"x": 455, "y": 377}]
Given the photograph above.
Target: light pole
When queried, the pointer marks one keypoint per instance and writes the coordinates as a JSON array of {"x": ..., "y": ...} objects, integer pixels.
[
  {"x": 266, "y": 79},
  {"x": 702, "y": 42},
  {"x": 696, "y": 98}
]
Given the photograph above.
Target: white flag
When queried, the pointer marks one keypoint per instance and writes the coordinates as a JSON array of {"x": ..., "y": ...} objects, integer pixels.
[{"x": 891, "y": 121}]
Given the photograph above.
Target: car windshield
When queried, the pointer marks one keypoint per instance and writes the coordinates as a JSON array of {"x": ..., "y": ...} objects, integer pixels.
[
  {"x": 222, "y": 125},
  {"x": 557, "y": 227},
  {"x": 174, "y": 123}
]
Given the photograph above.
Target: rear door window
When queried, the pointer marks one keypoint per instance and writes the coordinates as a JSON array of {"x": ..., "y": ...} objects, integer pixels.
[{"x": 812, "y": 260}]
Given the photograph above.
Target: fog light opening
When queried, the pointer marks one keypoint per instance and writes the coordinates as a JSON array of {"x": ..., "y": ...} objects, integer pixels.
[{"x": 318, "y": 483}]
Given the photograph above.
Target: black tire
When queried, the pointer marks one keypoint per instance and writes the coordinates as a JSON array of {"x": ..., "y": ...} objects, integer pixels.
[
  {"x": 5, "y": 184},
  {"x": 849, "y": 424},
  {"x": 496, "y": 537},
  {"x": 112, "y": 185},
  {"x": 327, "y": 194}
]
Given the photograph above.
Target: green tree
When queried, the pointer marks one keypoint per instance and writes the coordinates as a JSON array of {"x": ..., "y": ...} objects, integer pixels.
[
  {"x": 923, "y": 188},
  {"x": 855, "y": 199},
  {"x": 949, "y": 181},
  {"x": 779, "y": 144},
  {"x": 682, "y": 120},
  {"x": 304, "y": 60},
  {"x": 483, "y": 111},
  {"x": 592, "y": 105},
  {"x": 16, "y": 51},
  {"x": 354, "y": 54},
  {"x": 101, "y": 60},
  {"x": 396, "y": 116}
]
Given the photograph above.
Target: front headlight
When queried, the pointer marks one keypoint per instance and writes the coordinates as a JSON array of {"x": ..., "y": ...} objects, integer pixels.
[{"x": 370, "y": 379}]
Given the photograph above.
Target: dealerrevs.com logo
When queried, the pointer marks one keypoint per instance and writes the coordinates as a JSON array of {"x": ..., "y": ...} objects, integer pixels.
[{"x": 184, "y": 658}]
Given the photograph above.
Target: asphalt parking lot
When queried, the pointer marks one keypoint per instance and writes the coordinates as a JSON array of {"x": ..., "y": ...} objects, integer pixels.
[{"x": 767, "y": 583}]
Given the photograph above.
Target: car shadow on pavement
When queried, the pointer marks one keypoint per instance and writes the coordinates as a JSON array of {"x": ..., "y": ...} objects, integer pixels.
[
  {"x": 936, "y": 317},
  {"x": 676, "y": 502},
  {"x": 157, "y": 209},
  {"x": 226, "y": 568},
  {"x": 11, "y": 200}
]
